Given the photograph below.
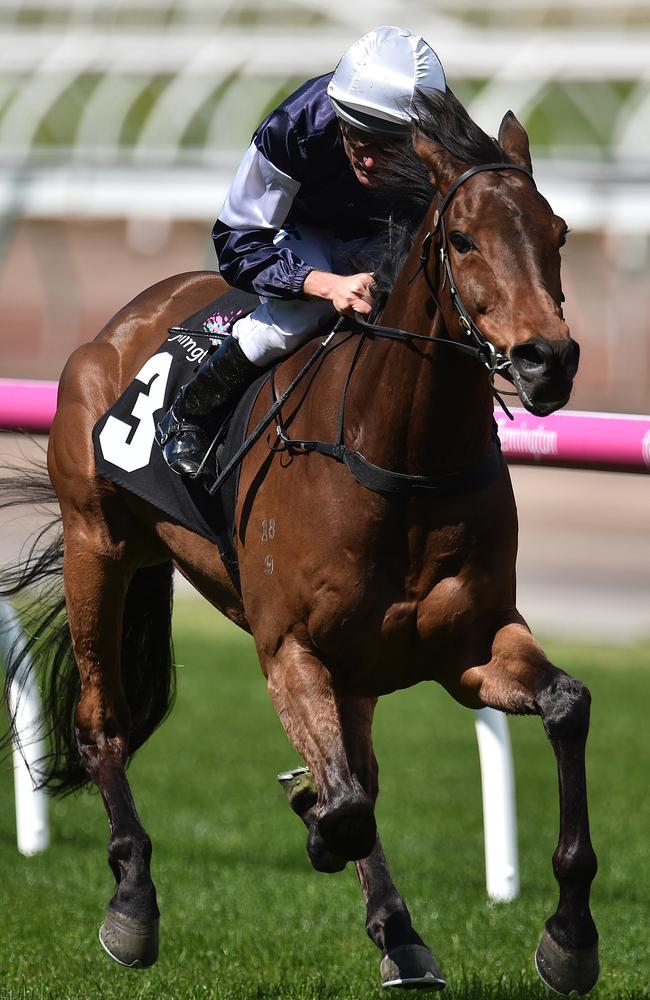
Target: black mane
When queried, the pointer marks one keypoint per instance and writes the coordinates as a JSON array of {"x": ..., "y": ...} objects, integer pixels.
[
  {"x": 405, "y": 195},
  {"x": 442, "y": 118}
]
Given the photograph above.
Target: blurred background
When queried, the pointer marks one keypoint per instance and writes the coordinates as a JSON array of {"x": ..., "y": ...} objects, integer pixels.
[{"x": 121, "y": 124}]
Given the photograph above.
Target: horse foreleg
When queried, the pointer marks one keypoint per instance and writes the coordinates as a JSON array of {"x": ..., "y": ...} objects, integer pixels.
[
  {"x": 520, "y": 679},
  {"x": 406, "y": 960},
  {"x": 341, "y": 821},
  {"x": 95, "y": 586}
]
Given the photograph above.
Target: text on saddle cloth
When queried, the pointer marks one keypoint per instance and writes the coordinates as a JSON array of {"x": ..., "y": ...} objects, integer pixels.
[{"x": 124, "y": 445}]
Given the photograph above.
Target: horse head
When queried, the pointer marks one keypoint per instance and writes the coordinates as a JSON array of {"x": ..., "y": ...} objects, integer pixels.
[{"x": 502, "y": 243}]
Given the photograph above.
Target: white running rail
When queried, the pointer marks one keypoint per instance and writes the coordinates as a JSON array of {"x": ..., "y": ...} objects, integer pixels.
[
  {"x": 499, "y": 805},
  {"x": 32, "y": 826}
]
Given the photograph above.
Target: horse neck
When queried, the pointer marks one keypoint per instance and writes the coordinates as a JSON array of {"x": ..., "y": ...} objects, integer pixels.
[{"x": 421, "y": 409}]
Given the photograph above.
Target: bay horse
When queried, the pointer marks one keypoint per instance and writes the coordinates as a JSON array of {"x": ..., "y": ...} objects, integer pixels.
[{"x": 355, "y": 592}]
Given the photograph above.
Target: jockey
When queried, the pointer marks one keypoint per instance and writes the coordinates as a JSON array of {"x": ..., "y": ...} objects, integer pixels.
[{"x": 297, "y": 228}]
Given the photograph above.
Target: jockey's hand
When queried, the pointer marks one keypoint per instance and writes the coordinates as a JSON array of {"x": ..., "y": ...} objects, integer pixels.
[{"x": 348, "y": 293}]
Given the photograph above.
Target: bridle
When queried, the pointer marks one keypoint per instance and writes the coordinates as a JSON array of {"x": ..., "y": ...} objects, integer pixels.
[
  {"x": 371, "y": 476},
  {"x": 481, "y": 348},
  {"x": 494, "y": 361}
]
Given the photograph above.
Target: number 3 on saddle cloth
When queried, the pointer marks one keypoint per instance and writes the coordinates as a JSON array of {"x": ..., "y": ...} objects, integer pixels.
[{"x": 123, "y": 439}]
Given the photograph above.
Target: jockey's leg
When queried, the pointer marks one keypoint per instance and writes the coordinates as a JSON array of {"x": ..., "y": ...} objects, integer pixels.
[
  {"x": 272, "y": 330},
  {"x": 279, "y": 326},
  {"x": 201, "y": 404}
]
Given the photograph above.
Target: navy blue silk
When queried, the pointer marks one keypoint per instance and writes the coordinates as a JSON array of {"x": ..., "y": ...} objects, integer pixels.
[{"x": 302, "y": 139}]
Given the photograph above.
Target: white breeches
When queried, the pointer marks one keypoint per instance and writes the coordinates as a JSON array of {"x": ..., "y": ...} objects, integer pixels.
[{"x": 279, "y": 326}]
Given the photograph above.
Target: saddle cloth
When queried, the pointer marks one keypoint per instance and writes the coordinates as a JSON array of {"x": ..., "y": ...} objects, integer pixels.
[{"x": 127, "y": 454}]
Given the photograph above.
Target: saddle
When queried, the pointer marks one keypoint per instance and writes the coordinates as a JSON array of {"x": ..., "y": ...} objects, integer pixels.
[{"x": 123, "y": 439}]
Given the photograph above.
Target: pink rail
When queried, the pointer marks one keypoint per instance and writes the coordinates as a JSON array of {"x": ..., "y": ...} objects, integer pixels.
[
  {"x": 27, "y": 405},
  {"x": 615, "y": 441},
  {"x": 618, "y": 442}
]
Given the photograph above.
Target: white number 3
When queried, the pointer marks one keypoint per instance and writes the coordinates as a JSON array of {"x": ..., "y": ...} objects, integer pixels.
[{"x": 114, "y": 439}]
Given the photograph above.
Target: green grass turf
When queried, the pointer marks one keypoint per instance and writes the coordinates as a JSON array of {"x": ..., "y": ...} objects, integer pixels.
[{"x": 244, "y": 915}]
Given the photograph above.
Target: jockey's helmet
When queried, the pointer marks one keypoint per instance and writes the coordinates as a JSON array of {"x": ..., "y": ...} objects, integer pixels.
[{"x": 375, "y": 83}]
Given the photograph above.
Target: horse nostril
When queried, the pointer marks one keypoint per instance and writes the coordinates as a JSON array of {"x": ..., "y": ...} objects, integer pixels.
[
  {"x": 569, "y": 357},
  {"x": 539, "y": 358},
  {"x": 533, "y": 358}
]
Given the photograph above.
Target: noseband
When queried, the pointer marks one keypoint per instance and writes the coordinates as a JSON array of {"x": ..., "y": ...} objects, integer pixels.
[
  {"x": 491, "y": 358},
  {"x": 371, "y": 476},
  {"x": 481, "y": 348}
]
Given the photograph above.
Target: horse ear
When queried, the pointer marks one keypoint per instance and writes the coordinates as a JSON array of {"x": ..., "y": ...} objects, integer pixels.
[
  {"x": 443, "y": 167},
  {"x": 513, "y": 140}
]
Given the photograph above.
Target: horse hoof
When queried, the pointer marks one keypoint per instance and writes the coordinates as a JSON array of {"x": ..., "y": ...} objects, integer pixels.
[
  {"x": 130, "y": 942},
  {"x": 412, "y": 966},
  {"x": 300, "y": 789},
  {"x": 567, "y": 970}
]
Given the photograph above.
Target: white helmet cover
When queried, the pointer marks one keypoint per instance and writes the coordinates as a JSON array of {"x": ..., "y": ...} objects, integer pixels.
[{"x": 374, "y": 84}]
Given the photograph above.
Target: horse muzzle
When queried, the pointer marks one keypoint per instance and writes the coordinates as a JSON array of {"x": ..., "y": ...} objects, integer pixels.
[{"x": 543, "y": 373}]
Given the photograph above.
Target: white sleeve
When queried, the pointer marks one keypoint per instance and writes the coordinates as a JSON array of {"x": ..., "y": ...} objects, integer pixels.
[{"x": 260, "y": 195}]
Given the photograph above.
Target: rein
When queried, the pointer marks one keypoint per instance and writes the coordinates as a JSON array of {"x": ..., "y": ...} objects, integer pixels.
[
  {"x": 371, "y": 476},
  {"x": 484, "y": 351},
  {"x": 497, "y": 362},
  {"x": 380, "y": 480}
]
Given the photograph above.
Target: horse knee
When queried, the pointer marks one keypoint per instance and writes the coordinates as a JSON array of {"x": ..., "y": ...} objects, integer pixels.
[
  {"x": 564, "y": 706},
  {"x": 348, "y": 828},
  {"x": 99, "y": 719},
  {"x": 322, "y": 859}
]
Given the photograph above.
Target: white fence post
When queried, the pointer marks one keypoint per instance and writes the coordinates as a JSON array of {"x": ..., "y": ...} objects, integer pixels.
[
  {"x": 32, "y": 827},
  {"x": 499, "y": 805}
]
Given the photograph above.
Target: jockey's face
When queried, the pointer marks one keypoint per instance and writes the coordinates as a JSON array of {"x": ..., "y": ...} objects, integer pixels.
[{"x": 366, "y": 152}]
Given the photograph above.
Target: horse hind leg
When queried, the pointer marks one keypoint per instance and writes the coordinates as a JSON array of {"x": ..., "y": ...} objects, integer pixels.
[
  {"x": 519, "y": 679},
  {"x": 96, "y": 585}
]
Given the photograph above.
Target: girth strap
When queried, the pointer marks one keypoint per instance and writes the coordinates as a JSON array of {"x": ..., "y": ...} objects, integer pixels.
[{"x": 379, "y": 480}]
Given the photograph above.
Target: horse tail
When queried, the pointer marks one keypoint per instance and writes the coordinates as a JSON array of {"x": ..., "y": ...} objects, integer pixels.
[{"x": 44, "y": 653}]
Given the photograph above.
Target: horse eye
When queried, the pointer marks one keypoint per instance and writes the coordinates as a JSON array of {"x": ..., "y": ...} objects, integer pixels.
[{"x": 460, "y": 242}]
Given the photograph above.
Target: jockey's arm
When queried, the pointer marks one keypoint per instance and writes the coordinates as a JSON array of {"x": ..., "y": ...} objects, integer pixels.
[{"x": 258, "y": 203}]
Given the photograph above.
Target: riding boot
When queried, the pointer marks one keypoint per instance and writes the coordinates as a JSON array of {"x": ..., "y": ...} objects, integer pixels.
[{"x": 184, "y": 433}]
